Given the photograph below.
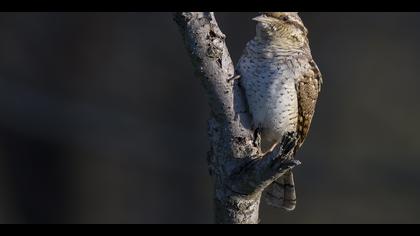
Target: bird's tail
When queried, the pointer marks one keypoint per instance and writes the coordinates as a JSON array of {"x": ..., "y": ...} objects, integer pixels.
[{"x": 282, "y": 193}]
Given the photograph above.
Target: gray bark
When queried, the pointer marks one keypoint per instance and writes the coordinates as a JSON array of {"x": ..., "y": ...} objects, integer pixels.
[{"x": 240, "y": 173}]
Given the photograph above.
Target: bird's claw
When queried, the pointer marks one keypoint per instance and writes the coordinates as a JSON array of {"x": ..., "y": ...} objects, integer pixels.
[{"x": 288, "y": 142}]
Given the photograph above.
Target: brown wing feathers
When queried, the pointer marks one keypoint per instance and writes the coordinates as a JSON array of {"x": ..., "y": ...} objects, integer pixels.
[{"x": 307, "y": 90}]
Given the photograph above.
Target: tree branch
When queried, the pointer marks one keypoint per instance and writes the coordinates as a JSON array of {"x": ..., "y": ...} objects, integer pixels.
[{"x": 239, "y": 171}]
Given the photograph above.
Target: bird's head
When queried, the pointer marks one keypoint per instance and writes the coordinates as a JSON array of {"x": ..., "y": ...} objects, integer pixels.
[{"x": 284, "y": 28}]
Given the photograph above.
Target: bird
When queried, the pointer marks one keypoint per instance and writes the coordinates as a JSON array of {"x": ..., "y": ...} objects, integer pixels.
[{"x": 281, "y": 82}]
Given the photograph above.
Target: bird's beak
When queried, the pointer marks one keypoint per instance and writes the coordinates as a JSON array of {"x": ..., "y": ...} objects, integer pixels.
[{"x": 261, "y": 18}]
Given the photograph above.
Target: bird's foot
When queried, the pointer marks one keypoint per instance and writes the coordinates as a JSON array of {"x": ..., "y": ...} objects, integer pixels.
[
  {"x": 287, "y": 144},
  {"x": 289, "y": 141}
]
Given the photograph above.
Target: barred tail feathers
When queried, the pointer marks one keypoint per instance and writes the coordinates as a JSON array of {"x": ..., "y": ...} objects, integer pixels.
[{"x": 282, "y": 193}]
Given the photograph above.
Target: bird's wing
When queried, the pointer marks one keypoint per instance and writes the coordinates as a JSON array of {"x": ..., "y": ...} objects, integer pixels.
[{"x": 308, "y": 88}]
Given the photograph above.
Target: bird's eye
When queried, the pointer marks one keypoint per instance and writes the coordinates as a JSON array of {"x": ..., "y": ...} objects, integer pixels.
[{"x": 285, "y": 18}]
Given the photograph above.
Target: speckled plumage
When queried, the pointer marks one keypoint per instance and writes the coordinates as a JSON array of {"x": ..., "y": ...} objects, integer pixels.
[{"x": 281, "y": 83}]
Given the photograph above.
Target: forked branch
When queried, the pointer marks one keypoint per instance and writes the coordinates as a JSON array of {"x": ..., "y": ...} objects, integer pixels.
[{"x": 240, "y": 172}]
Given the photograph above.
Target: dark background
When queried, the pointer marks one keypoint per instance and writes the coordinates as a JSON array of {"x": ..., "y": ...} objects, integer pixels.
[{"x": 102, "y": 120}]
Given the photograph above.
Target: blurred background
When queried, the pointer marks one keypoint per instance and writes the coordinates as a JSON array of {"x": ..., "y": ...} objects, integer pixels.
[{"x": 103, "y": 121}]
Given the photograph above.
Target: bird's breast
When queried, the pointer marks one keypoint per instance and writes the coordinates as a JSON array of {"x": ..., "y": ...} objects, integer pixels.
[{"x": 269, "y": 83}]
